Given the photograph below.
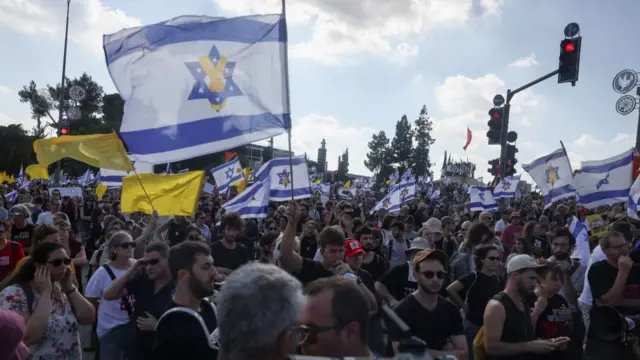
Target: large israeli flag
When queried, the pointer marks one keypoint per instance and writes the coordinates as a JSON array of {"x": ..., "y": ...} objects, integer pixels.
[
  {"x": 481, "y": 199},
  {"x": 281, "y": 179},
  {"x": 552, "y": 173},
  {"x": 227, "y": 174},
  {"x": 196, "y": 85},
  {"x": 391, "y": 202},
  {"x": 321, "y": 191},
  {"x": 113, "y": 178},
  {"x": 604, "y": 182},
  {"x": 251, "y": 203},
  {"x": 633, "y": 200},
  {"x": 506, "y": 188}
]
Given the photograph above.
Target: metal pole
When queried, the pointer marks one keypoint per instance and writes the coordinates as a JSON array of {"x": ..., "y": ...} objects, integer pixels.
[
  {"x": 62, "y": 85},
  {"x": 286, "y": 84},
  {"x": 638, "y": 128}
]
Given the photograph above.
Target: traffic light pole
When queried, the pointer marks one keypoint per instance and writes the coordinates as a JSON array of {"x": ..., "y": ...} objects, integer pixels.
[
  {"x": 57, "y": 177},
  {"x": 505, "y": 121}
]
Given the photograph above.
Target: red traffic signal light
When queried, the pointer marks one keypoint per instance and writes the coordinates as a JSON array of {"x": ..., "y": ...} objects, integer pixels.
[
  {"x": 495, "y": 125},
  {"x": 64, "y": 131},
  {"x": 569, "y": 65},
  {"x": 569, "y": 47}
]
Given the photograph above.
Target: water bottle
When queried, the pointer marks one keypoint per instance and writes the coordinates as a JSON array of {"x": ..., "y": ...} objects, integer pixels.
[{"x": 351, "y": 276}]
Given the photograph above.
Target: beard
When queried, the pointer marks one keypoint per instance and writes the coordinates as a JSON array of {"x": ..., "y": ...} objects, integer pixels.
[
  {"x": 561, "y": 256},
  {"x": 426, "y": 289},
  {"x": 198, "y": 289},
  {"x": 526, "y": 295},
  {"x": 368, "y": 247}
]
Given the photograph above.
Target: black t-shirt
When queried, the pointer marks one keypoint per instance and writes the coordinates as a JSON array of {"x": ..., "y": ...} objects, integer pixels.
[
  {"x": 176, "y": 233},
  {"x": 435, "y": 327},
  {"x": 22, "y": 236},
  {"x": 551, "y": 324},
  {"x": 541, "y": 246},
  {"x": 147, "y": 300},
  {"x": 229, "y": 258},
  {"x": 308, "y": 247},
  {"x": 478, "y": 288},
  {"x": 366, "y": 279},
  {"x": 180, "y": 335},
  {"x": 397, "y": 281},
  {"x": 601, "y": 277},
  {"x": 376, "y": 267},
  {"x": 311, "y": 270}
]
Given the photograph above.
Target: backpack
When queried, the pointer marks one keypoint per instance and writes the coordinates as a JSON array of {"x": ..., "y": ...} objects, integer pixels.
[
  {"x": 124, "y": 299},
  {"x": 479, "y": 353},
  {"x": 390, "y": 248}
]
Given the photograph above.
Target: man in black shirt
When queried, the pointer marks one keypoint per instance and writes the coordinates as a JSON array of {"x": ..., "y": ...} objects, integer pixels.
[
  {"x": 425, "y": 307},
  {"x": 184, "y": 330},
  {"x": 399, "y": 281},
  {"x": 228, "y": 254},
  {"x": 152, "y": 289}
]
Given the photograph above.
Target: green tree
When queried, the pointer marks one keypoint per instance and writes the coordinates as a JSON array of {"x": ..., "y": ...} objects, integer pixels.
[
  {"x": 15, "y": 147},
  {"x": 423, "y": 126},
  {"x": 402, "y": 144},
  {"x": 379, "y": 157}
]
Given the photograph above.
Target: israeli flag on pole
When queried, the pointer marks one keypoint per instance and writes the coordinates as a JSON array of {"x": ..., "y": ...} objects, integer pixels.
[
  {"x": 279, "y": 173},
  {"x": 506, "y": 188},
  {"x": 633, "y": 200},
  {"x": 251, "y": 203},
  {"x": 197, "y": 85},
  {"x": 552, "y": 173},
  {"x": 113, "y": 178},
  {"x": 604, "y": 182},
  {"x": 481, "y": 199},
  {"x": 582, "y": 250},
  {"x": 227, "y": 174},
  {"x": 390, "y": 203},
  {"x": 321, "y": 191}
]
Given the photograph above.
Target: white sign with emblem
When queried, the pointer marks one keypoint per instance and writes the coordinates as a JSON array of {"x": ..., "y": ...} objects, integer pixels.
[{"x": 625, "y": 81}]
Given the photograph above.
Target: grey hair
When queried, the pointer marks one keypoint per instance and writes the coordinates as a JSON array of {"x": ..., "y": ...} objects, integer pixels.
[
  {"x": 605, "y": 240},
  {"x": 257, "y": 304}
]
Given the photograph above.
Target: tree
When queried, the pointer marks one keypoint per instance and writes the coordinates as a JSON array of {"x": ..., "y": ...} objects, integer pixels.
[
  {"x": 423, "y": 127},
  {"x": 402, "y": 144},
  {"x": 379, "y": 157},
  {"x": 15, "y": 147}
]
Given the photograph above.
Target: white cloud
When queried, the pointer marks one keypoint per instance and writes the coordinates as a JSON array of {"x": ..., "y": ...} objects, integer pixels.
[
  {"x": 89, "y": 20},
  {"x": 342, "y": 28},
  {"x": 620, "y": 137},
  {"x": 525, "y": 62},
  {"x": 586, "y": 140},
  {"x": 308, "y": 132},
  {"x": 5, "y": 90},
  {"x": 417, "y": 79}
]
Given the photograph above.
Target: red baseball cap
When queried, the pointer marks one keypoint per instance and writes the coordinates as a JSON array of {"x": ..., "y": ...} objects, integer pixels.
[{"x": 352, "y": 248}]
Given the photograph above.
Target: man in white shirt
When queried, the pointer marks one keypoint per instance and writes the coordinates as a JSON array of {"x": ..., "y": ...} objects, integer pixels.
[{"x": 47, "y": 217}]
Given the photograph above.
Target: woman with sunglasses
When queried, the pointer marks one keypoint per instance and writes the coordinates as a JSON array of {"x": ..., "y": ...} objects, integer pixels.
[
  {"x": 74, "y": 248},
  {"x": 115, "y": 330},
  {"x": 43, "y": 293}
]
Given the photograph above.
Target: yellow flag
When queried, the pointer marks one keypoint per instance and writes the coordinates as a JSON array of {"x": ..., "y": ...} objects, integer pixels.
[
  {"x": 37, "y": 171},
  {"x": 242, "y": 184},
  {"x": 3, "y": 177},
  {"x": 100, "y": 150},
  {"x": 318, "y": 181},
  {"x": 175, "y": 194},
  {"x": 101, "y": 189},
  {"x": 347, "y": 184}
]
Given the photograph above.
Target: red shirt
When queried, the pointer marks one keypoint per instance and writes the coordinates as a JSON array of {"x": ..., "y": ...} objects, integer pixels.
[
  {"x": 509, "y": 236},
  {"x": 9, "y": 257}
]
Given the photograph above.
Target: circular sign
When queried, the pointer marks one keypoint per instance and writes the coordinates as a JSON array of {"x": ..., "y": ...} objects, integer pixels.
[
  {"x": 77, "y": 93},
  {"x": 571, "y": 30},
  {"x": 625, "y": 105},
  {"x": 498, "y": 100},
  {"x": 74, "y": 113},
  {"x": 625, "y": 81}
]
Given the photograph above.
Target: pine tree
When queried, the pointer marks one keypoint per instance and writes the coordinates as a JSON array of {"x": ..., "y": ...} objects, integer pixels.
[
  {"x": 402, "y": 144},
  {"x": 379, "y": 157},
  {"x": 422, "y": 132}
]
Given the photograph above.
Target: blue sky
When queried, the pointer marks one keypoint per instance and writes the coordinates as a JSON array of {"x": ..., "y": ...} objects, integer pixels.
[{"x": 356, "y": 66}]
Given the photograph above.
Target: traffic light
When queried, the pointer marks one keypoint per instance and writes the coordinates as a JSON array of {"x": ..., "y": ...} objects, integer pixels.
[
  {"x": 494, "y": 168},
  {"x": 63, "y": 131},
  {"x": 511, "y": 160},
  {"x": 495, "y": 125},
  {"x": 569, "y": 66}
]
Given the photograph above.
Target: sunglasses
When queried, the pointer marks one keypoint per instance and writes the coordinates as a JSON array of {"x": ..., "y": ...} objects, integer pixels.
[
  {"x": 58, "y": 262},
  {"x": 431, "y": 274},
  {"x": 151, "y": 262},
  {"x": 127, "y": 245},
  {"x": 493, "y": 258},
  {"x": 308, "y": 334}
]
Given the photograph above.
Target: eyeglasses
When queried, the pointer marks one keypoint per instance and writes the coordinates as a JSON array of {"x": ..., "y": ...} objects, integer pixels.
[
  {"x": 493, "y": 258},
  {"x": 127, "y": 245},
  {"x": 308, "y": 334},
  {"x": 431, "y": 274},
  {"x": 58, "y": 262},
  {"x": 151, "y": 262}
]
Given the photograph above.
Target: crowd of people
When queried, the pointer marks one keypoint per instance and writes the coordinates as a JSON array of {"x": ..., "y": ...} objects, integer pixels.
[{"x": 312, "y": 278}]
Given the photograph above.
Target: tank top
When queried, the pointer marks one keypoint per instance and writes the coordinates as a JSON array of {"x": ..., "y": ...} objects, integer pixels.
[{"x": 517, "y": 327}]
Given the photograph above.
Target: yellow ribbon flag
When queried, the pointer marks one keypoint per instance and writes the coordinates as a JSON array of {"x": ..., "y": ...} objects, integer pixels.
[
  {"x": 101, "y": 189},
  {"x": 242, "y": 184},
  {"x": 100, "y": 150},
  {"x": 347, "y": 184},
  {"x": 176, "y": 194},
  {"x": 37, "y": 171}
]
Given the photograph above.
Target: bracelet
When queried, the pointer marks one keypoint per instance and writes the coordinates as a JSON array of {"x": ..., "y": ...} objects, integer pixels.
[{"x": 71, "y": 291}]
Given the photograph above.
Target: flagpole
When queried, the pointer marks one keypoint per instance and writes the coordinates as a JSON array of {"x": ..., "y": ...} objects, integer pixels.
[
  {"x": 287, "y": 97},
  {"x": 567, "y": 155},
  {"x": 139, "y": 181}
]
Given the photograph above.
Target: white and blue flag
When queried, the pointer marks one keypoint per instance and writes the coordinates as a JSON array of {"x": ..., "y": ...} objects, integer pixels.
[
  {"x": 251, "y": 203},
  {"x": 604, "y": 182},
  {"x": 321, "y": 191},
  {"x": 282, "y": 180},
  {"x": 390, "y": 203},
  {"x": 481, "y": 199},
  {"x": 506, "y": 188},
  {"x": 633, "y": 200},
  {"x": 552, "y": 173},
  {"x": 582, "y": 249},
  {"x": 113, "y": 178},
  {"x": 197, "y": 85},
  {"x": 227, "y": 174}
]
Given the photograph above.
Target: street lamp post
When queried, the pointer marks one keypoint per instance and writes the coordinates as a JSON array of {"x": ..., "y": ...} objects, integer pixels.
[{"x": 62, "y": 86}]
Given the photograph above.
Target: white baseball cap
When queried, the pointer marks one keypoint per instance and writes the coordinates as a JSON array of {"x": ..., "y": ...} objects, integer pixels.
[{"x": 521, "y": 262}]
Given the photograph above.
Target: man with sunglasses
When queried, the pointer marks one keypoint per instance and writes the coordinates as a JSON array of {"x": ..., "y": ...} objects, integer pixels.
[
  {"x": 425, "y": 307},
  {"x": 150, "y": 282}
]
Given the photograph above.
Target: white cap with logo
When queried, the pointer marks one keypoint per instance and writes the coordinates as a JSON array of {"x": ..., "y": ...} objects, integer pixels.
[{"x": 522, "y": 262}]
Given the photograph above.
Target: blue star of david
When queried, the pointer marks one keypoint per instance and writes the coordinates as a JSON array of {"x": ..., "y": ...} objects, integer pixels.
[
  {"x": 552, "y": 174},
  {"x": 481, "y": 195},
  {"x": 229, "y": 173},
  {"x": 506, "y": 186},
  {"x": 404, "y": 193},
  {"x": 604, "y": 181},
  {"x": 284, "y": 178},
  {"x": 213, "y": 74},
  {"x": 386, "y": 203}
]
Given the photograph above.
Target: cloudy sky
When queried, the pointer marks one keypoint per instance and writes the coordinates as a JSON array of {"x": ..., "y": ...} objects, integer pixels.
[{"x": 357, "y": 66}]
